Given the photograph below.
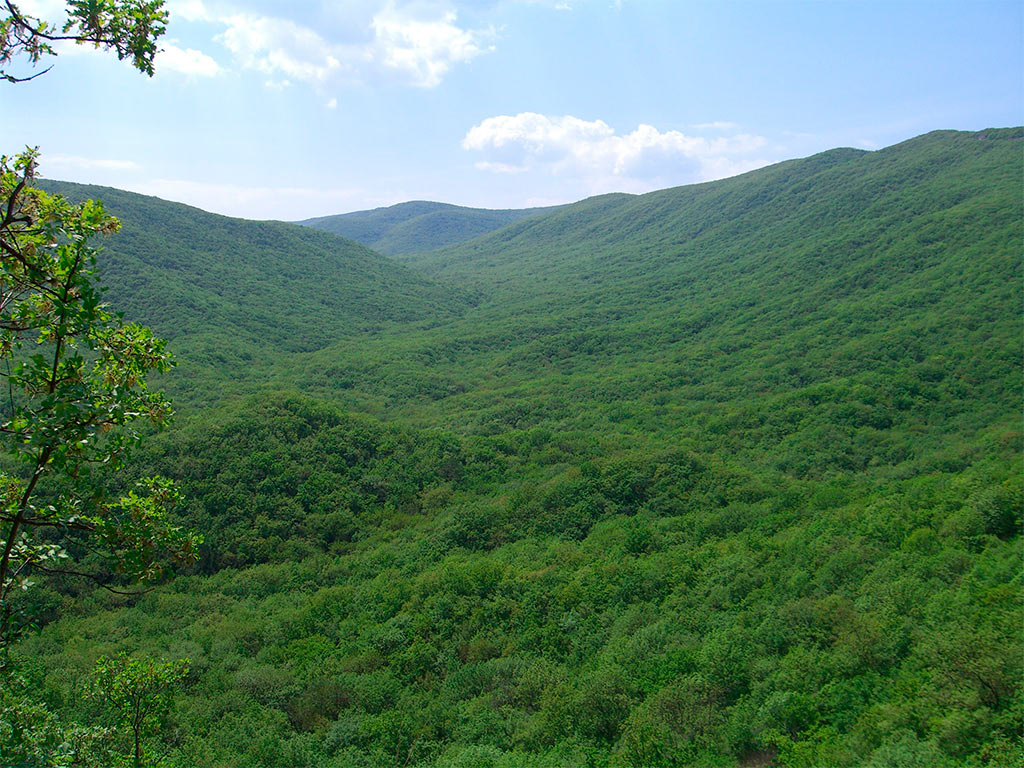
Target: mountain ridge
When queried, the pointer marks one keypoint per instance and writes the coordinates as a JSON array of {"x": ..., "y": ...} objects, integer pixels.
[
  {"x": 419, "y": 225},
  {"x": 235, "y": 294}
]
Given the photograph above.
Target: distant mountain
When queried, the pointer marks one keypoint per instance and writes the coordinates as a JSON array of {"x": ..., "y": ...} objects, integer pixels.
[{"x": 418, "y": 226}]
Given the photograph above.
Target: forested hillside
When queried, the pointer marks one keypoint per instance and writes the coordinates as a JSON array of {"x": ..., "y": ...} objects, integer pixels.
[
  {"x": 236, "y": 297},
  {"x": 417, "y": 226},
  {"x": 721, "y": 475},
  {"x": 701, "y": 305}
]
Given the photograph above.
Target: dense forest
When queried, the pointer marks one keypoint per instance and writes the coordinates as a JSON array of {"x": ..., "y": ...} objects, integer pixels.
[{"x": 721, "y": 475}]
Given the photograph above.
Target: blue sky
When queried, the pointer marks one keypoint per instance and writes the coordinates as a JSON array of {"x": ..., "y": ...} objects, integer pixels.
[{"x": 293, "y": 109}]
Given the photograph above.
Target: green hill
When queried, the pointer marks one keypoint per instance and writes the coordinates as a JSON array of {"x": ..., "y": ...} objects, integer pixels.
[
  {"x": 773, "y": 213},
  {"x": 647, "y": 314},
  {"x": 238, "y": 296},
  {"x": 722, "y": 475},
  {"x": 418, "y": 226}
]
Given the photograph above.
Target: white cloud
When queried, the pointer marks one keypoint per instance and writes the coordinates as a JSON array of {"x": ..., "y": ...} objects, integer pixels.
[
  {"x": 278, "y": 46},
  {"x": 186, "y": 61},
  {"x": 170, "y": 58},
  {"x": 558, "y": 5},
  {"x": 424, "y": 49},
  {"x": 332, "y": 103},
  {"x": 592, "y": 151},
  {"x": 566, "y": 5},
  {"x": 48, "y": 10},
  {"x": 264, "y": 202},
  {"x": 485, "y": 165},
  {"x": 718, "y": 125},
  {"x": 189, "y": 10},
  {"x": 417, "y": 44},
  {"x": 62, "y": 163},
  {"x": 72, "y": 48}
]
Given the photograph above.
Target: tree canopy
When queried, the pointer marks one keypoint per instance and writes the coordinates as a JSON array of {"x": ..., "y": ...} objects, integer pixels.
[{"x": 129, "y": 28}]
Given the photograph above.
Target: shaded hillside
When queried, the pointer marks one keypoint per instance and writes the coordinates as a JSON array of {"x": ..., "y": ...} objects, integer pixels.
[{"x": 418, "y": 226}]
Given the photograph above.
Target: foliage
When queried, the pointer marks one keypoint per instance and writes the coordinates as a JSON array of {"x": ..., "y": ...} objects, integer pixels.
[
  {"x": 32, "y": 737},
  {"x": 138, "y": 694},
  {"x": 129, "y": 28},
  {"x": 76, "y": 391},
  {"x": 76, "y": 388}
]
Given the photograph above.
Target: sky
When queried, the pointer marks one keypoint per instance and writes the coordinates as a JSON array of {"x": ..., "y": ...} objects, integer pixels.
[{"x": 301, "y": 108}]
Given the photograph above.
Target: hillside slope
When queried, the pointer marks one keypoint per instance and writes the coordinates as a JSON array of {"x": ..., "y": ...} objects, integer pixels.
[
  {"x": 648, "y": 314},
  {"x": 237, "y": 294},
  {"x": 773, "y": 215},
  {"x": 419, "y": 225}
]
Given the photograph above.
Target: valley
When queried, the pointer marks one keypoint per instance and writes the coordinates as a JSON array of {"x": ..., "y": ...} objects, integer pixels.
[{"x": 726, "y": 474}]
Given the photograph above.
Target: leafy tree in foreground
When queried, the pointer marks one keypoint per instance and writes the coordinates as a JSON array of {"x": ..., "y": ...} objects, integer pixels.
[
  {"x": 76, "y": 392},
  {"x": 75, "y": 373},
  {"x": 130, "y": 28}
]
